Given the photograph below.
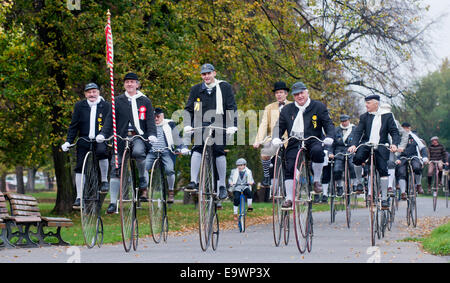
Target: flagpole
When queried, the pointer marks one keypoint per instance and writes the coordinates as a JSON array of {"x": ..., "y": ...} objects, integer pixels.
[{"x": 110, "y": 63}]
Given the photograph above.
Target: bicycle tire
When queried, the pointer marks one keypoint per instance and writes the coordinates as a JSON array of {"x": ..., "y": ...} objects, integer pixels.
[
  {"x": 206, "y": 196},
  {"x": 127, "y": 200},
  {"x": 286, "y": 227},
  {"x": 413, "y": 205},
  {"x": 347, "y": 192},
  {"x": 301, "y": 201},
  {"x": 242, "y": 213},
  {"x": 100, "y": 232},
  {"x": 215, "y": 231},
  {"x": 157, "y": 202},
  {"x": 435, "y": 190},
  {"x": 278, "y": 192},
  {"x": 90, "y": 199}
]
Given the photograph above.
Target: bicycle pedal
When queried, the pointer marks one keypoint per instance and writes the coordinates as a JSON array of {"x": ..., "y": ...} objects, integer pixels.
[{"x": 287, "y": 208}]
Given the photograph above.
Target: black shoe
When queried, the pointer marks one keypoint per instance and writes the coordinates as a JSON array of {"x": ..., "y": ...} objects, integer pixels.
[
  {"x": 385, "y": 205},
  {"x": 324, "y": 199},
  {"x": 340, "y": 191},
  {"x": 250, "y": 209},
  {"x": 316, "y": 198},
  {"x": 143, "y": 195},
  {"x": 223, "y": 194},
  {"x": 104, "y": 188},
  {"x": 142, "y": 183},
  {"x": 77, "y": 203},
  {"x": 111, "y": 208},
  {"x": 360, "y": 189},
  {"x": 266, "y": 182},
  {"x": 191, "y": 187}
]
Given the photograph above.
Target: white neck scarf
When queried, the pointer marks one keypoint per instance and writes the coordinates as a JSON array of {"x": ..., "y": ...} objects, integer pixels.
[
  {"x": 134, "y": 110},
  {"x": 298, "y": 127},
  {"x": 235, "y": 175},
  {"x": 417, "y": 140},
  {"x": 376, "y": 124},
  {"x": 93, "y": 116},
  {"x": 167, "y": 131},
  {"x": 219, "y": 100},
  {"x": 346, "y": 131}
]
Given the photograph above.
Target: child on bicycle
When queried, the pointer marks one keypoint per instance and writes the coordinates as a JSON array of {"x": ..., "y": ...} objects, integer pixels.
[
  {"x": 167, "y": 137},
  {"x": 87, "y": 120},
  {"x": 241, "y": 180}
]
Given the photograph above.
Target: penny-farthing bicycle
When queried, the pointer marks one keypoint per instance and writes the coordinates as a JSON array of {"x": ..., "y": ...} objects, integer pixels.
[
  {"x": 280, "y": 217},
  {"x": 129, "y": 196}
]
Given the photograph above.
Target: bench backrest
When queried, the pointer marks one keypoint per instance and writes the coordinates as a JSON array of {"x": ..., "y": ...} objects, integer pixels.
[
  {"x": 23, "y": 205},
  {"x": 3, "y": 207}
]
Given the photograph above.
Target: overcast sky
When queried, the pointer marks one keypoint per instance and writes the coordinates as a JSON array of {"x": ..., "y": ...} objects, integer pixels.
[{"x": 441, "y": 32}]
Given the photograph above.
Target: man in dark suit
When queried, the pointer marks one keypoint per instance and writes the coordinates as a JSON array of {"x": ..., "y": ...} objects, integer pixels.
[
  {"x": 213, "y": 99},
  {"x": 87, "y": 121},
  {"x": 374, "y": 127},
  {"x": 134, "y": 116},
  {"x": 304, "y": 118}
]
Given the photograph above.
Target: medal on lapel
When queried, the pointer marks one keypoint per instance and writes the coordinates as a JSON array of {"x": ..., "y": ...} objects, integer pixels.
[
  {"x": 142, "y": 111},
  {"x": 197, "y": 105},
  {"x": 314, "y": 121},
  {"x": 99, "y": 120}
]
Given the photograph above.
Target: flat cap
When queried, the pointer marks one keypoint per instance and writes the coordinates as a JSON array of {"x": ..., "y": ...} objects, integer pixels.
[
  {"x": 207, "y": 68},
  {"x": 298, "y": 87},
  {"x": 344, "y": 117},
  {"x": 91, "y": 86},
  {"x": 370, "y": 97},
  {"x": 131, "y": 76}
]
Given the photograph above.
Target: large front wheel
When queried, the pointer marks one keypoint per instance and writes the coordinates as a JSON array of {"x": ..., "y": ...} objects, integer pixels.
[
  {"x": 90, "y": 199},
  {"x": 301, "y": 203},
  {"x": 278, "y": 195},
  {"x": 157, "y": 205},
  {"x": 127, "y": 201}
]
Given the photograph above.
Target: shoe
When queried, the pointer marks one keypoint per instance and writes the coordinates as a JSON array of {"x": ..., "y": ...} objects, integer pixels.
[
  {"x": 191, "y": 187},
  {"x": 77, "y": 203},
  {"x": 142, "y": 183},
  {"x": 385, "y": 205},
  {"x": 111, "y": 208},
  {"x": 340, "y": 191},
  {"x": 250, "y": 209},
  {"x": 317, "y": 187},
  {"x": 287, "y": 204},
  {"x": 104, "y": 188},
  {"x": 359, "y": 189},
  {"x": 143, "y": 195},
  {"x": 171, "y": 197},
  {"x": 324, "y": 199},
  {"x": 403, "y": 196},
  {"x": 419, "y": 190},
  {"x": 353, "y": 188},
  {"x": 316, "y": 199},
  {"x": 219, "y": 205},
  {"x": 266, "y": 182},
  {"x": 223, "y": 193},
  {"x": 390, "y": 191}
]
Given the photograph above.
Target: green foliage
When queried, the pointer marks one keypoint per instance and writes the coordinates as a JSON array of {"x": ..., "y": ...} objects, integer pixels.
[{"x": 427, "y": 106}]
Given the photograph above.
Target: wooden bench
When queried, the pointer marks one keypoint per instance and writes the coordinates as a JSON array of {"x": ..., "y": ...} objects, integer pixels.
[
  {"x": 3, "y": 221},
  {"x": 25, "y": 209}
]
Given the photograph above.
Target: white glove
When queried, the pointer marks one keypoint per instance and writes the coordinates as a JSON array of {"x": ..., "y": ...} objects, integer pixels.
[
  {"x": 231, "y": 130},
  {"x": 425, "y": 160},
  {"x": 188, "y": 130},
  {"x": 100, "y": 138},
  {"x": 184, "y": 151},
  {"x": 152, "y": 139},
  {"x": 277, "y": 142},
  {"x": 65, "y": 146},
  {"x": 328, "y": 141}
]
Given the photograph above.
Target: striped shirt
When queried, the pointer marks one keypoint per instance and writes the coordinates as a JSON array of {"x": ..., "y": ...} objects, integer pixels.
[{"x": 161, "y": 139}]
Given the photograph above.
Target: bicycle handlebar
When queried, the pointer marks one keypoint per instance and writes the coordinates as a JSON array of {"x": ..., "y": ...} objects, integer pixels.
[
  {"x": 302, "y": 139},
  {"x": 87, "y": 140}
]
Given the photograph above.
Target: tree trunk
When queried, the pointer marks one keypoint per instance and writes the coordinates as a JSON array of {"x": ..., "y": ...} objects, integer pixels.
[
  {"x": 3, "y": 183},
  {"x": 31, "y": 173},
  {"x": 19, "y": 178},
  {"x": 65, "y": 191}
]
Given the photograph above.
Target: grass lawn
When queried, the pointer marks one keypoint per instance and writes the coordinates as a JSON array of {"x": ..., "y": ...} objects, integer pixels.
[
  {"x": 438, "y": 243},
  {"x": 182, "y": 218}
]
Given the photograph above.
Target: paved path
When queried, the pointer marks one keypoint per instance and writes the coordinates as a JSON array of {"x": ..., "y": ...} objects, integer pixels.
[{"x": 332, "y": 243}]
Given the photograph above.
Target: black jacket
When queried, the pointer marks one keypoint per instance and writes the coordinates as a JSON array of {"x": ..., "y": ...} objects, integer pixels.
[
  {"x": 412, "y": 149},
  {"x": 388, "y": 127},
  {"x": 315, "y": 118},
  {"x": 80, "y": 124},
  {"x": 341, "y": 145},
  {"x": 124, "y": 116},
  {"x": 199, "y": 99}
]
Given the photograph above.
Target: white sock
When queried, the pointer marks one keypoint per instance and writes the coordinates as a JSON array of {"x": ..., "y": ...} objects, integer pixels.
[
  {"x": 289, "y": 184},
  {"x": 358, "y": 172},
  {"x": 171, "y": 182},
  {"x": 249, "y": 202},
  {"x": 221, "y": 164},
  {"x": 384, "y": 186},
  {"x": 196, "y": 161},
  {"x": 114, "y": 190},
  {"x": 418, "y": 179},
  {"x": 104, "y": 164},
  {"x": 325, "y": 189},
  {"x": 317, "y": 170},
  {"x": 340, "y": 183},
  {"x": 402, "y": 184},
  {"x": 78, "y": 185},
  {"x": 391, "y": 177},
  {"x": 235, "y": 209}
]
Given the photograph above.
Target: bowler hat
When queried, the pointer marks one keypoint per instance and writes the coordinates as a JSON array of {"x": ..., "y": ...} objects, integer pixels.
[{"x": 280, "y": 86}]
